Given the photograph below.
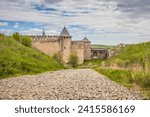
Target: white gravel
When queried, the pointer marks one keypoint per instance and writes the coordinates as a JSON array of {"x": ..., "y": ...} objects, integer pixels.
[{"x": 72, "y": 84}]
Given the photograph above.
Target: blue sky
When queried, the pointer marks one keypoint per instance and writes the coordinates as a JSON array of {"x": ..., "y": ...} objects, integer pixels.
[{"x": 108, "y": 22}]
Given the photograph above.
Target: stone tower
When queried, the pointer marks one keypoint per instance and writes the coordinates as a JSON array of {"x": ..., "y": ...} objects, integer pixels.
[
  {"x": 65, "y": 44},
  {"x": 87, "y": 49}
]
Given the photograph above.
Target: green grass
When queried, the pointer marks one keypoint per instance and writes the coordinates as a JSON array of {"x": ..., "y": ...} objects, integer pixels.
[
  {"x": 128, "y": 78},
  {"x": 136, "y": 58},
  {"x": 102, "y": 46},
  {"x": 131, "y": 55},
  {"x": 130, "y": 66},
  {"x": 122, "y": 77},
  {"x": 91, "y": 63},
  {"x": 17, "y": 59}
]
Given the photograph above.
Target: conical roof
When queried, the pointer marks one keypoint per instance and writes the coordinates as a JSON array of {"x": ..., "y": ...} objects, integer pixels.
[
  {"x": 65, "y": 32},
  {"x": 85, "y": 39},
  {"x": 43, "y": 33}
]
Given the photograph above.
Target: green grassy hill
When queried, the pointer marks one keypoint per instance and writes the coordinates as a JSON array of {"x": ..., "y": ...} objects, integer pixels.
[
  {"x": 18, "y": 59},
  {"x": 131, "y": 56},
  {"x": 130, "y": 67},
  {"x": 102, "y": 46}
]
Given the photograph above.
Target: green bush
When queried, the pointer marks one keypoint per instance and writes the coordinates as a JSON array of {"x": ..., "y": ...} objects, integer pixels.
[
  {"x": 73, "y": 60},
  {"x": 26, "y": 41},
  {"x": 17, "y": 36},
  {"x": 58, "y": 57}
]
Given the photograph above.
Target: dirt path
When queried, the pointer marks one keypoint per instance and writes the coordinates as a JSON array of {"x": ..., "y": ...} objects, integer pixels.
[{"x": 64, "y": 84}]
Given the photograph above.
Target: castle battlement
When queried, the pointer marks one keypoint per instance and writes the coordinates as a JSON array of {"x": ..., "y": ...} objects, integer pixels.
[
  {"x": 77, "y": 41},
  {"x": 47, "y": 38}
]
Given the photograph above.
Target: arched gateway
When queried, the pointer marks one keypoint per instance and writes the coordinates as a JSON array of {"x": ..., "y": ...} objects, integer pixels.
[{"x": 98, "y": 53}]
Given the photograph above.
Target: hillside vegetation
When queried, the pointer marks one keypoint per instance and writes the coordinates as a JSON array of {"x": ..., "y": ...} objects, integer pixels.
[
  {"x": 17, "y": 57},
  {"x": 129, "y": 67},
  {"x": 131, "y": 56},
  {"x": 102, "y": 46}
]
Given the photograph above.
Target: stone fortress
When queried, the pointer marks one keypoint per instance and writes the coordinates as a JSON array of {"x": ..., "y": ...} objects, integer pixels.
[{"x": 64, "y": 44}]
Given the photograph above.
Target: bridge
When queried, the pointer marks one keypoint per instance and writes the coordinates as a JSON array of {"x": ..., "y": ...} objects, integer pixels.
[{"x": 99, "y": 53}]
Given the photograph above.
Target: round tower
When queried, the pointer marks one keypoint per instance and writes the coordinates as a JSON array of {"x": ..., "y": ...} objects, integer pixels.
[
  {"x": 87, "y": 49},
  {"x": 65, "y": 44}
]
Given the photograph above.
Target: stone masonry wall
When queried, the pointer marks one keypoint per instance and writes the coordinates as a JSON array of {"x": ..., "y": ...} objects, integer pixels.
[
  {"x": 87, "y": 51},
  {"x": 48, "y": 48},
  {"x": 78, "y": 49},
  {"x": 65, "y": 44},
  {"x": 54, "y": 44}
]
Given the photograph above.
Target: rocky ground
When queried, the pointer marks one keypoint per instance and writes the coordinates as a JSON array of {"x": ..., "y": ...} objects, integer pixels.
[{"x": 72, "y": 84}]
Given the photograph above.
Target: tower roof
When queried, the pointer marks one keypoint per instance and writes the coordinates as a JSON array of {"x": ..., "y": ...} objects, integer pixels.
[
  {"x": 85, "y": 40},
  {"x": 65, "y": 32},
  {"x": 43, "y": 33}
]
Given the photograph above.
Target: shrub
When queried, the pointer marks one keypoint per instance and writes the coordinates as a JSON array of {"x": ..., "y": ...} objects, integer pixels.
[
  {"x": 17, "y": 37},
  {"x": 26, "y": 41},
  {"x": 58, "y": 57},
  {"x": 73, "y": 60}
]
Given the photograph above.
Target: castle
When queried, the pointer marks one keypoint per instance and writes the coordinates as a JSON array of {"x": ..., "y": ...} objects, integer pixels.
[{"x": 63, "y": 44}]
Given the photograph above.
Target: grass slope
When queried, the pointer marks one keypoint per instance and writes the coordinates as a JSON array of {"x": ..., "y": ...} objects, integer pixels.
[
  {"x": 102, "y": 46},
  {"x": 130, "y": 67},
  {"x": 17, "y": 59},
  {"x": 132, "y": 55}
]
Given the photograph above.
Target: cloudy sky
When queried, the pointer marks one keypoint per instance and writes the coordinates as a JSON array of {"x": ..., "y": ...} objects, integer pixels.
[{"x": 108, "y": 22}]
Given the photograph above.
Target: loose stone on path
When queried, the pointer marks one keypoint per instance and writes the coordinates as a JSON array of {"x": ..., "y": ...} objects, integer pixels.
[{"x": 71, "y": 84}]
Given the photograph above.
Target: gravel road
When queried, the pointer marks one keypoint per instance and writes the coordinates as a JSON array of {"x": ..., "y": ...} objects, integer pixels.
[{"x": 72, "y": 84}]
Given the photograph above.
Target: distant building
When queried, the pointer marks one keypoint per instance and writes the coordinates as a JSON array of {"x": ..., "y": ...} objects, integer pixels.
[{"x": 121, "y": 45}]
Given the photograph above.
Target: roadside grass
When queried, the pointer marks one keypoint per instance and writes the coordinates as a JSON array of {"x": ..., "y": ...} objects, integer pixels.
[
  {"x": 91, "y": 63},
  {"x": 128, "y": 78},
  {"x": 129, "y": 67},
  {"x": 17, "y": 59},
  {"x": 122, "y": 77}
]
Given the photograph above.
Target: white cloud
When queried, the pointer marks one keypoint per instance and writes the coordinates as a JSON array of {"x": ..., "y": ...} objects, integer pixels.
[
  {"x": 37, "y": 31},
  {"x": 16, "y": 25},
  {"x": 3, "y": 23},
  {"x": 33, "y": 31},
  {"x": 98, "y": 17},
  {"x": 6, "y": 31}
]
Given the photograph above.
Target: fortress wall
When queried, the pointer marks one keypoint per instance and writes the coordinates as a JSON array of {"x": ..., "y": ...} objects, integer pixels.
[
  {"x": 78, "y": 49},
  {"x": 44, "y": 38},
  {"x": 87, "y": 51},
  {"x": 48, "y": 48},
  {"x": 66, "y": 49}
]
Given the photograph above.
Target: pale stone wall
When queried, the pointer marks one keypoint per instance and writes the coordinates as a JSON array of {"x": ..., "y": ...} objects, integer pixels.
[
  {"x": 48, "y": 48},
  {"x": 87, "y": 51},
  {"x": 54, "y": 44},
  {"x": 65, "y": 43},
  {"x": 78, "y": 49}
]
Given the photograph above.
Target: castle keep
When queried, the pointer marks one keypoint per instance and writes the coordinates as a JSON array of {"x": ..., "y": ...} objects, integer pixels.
[{"x": 63, "y": 44}]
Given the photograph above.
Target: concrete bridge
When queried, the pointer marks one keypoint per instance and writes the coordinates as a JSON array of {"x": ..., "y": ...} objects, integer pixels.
[{"x": 99, "y": 53}]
